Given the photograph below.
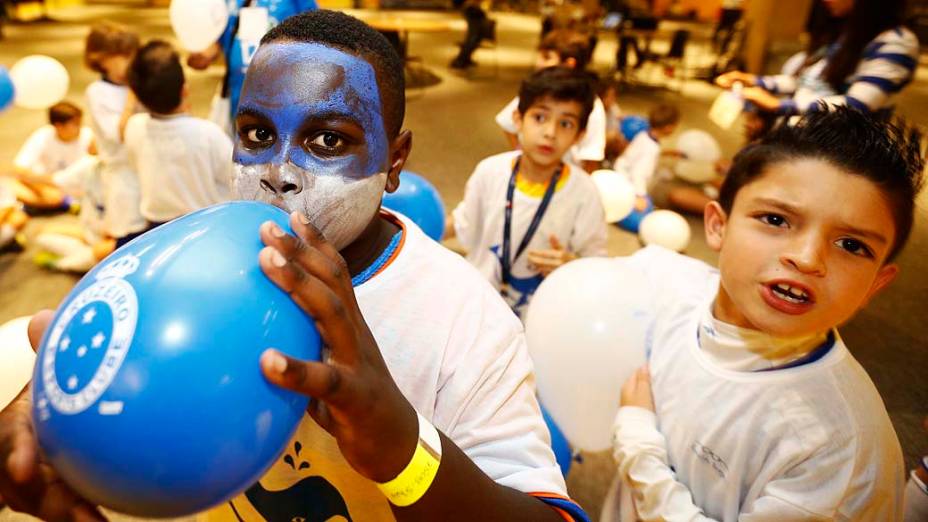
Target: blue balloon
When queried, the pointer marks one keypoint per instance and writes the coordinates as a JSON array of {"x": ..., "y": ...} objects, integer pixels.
[
  {"x": 6, "y": 89},
  {"x": 633, "y": 220},
  {"x": 418, "y": 200},
  {"x": 559, "y": 444},
  {"x": 632, "y": 125},
  {"x": 148, "y": 397}
]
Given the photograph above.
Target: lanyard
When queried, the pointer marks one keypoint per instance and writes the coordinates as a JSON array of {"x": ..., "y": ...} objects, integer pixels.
[{"x": 506, "y": 261}]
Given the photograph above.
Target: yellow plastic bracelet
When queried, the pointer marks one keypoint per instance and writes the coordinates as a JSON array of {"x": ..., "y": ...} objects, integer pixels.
[{"x": 412, "y": 483}]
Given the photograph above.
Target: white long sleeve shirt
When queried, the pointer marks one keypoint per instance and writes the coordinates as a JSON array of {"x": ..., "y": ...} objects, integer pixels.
[{"x": 809, "y": 442}]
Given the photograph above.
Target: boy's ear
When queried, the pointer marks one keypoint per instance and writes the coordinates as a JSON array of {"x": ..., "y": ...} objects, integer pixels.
[
  {"x": 399, "y": 152},
  {"x": 715, "y": 219},
  {"x": 884, "y": 276},
  {"x": 517, "y": 120}
]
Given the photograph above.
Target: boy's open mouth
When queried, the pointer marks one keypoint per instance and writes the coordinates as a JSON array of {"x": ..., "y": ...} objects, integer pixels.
[{"x": 790, "y": 293}]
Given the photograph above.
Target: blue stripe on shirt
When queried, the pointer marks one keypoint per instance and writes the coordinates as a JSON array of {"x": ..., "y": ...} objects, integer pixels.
[
  {"x": 854, "y": 103},
  {"x": 903, "y": 60},
  {"x": 884, "y": 84},
  {"x": 570, "y": 507}
]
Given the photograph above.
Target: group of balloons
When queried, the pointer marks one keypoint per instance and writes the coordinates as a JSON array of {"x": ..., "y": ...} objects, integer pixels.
[
  {"x": 700, "y": 153},
  {"x": 34, "y": 82}
]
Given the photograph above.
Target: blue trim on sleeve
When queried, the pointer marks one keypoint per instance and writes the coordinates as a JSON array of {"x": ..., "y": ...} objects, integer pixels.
[
  {"x": 766, "y": 84},
  {"x": 571, "y": 507},
  {"x": 900, "y": 59},
  {"x": 885, "y": 85},
  {"x": 787, "y": 107},
  {"x": 854, "y": 103}
]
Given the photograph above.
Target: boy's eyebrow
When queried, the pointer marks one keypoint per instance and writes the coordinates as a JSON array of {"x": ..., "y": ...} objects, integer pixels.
[
  {"x": 244, "y": 110},
  {"x": 847, "y": 227},
  {"x": 869, "y": 234}
]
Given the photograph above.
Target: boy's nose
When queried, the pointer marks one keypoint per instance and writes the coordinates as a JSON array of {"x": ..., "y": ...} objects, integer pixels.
[
  {"x": 806, "y": 255},
  {"x": 281, "y": 180}
]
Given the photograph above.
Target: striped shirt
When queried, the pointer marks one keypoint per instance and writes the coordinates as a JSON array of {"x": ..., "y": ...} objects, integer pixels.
[{"x": 886, "y": 66}]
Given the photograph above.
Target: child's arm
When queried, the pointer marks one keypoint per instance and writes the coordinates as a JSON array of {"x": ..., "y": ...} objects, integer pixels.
[
  {"x": 358, "y": 402},
  {"x": 127, "y": 111},
  {"x": 26, "y": 165},
  {"x": 466, "y": 220},
  {"x": 641, "y": 453}
]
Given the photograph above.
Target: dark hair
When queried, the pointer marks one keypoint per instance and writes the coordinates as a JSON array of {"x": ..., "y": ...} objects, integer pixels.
[
  {"x": 568, "y": 44},
  {"x": 867, "y": 19},
  {"x": 107, "y": 39},
  {"x": 663, "y": 115},
  {"x": 886, "y": 152},
  {"x": 346, "y": 33},
  {"x": 562, "y": 84},
  {"x": 63, "y": 112},
  {"x": 157, "y": 77}
]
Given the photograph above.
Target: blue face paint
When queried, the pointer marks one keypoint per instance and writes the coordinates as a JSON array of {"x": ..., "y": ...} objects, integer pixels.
[
  {"x": 311, "y": 137},
  {"x": 299, "y": 91}
]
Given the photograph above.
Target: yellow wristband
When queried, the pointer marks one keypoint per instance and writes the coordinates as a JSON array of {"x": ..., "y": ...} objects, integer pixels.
[{"x": 412, "y": 483}]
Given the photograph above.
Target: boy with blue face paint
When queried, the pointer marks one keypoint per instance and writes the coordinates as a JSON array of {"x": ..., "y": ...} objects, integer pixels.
[{"x": 417, "y": 341}]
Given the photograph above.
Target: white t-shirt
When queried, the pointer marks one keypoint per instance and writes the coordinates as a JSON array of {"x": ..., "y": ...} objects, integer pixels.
[
  {"x": 44, "y": 153},
  {"x": 120, "y": 183},
  {"x": 811, "y": 442},
  {"x": 639, "y": 161},
  {"x": 592, "y": 147},
  {"x": 458, "y": 355},
  {"x": 575, "y": 216},
  {"x": 183, "y": 163}
]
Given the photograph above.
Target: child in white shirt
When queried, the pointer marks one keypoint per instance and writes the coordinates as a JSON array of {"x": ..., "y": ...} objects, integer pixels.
[
  {"x": 639, "y": 160},
  {"x": 571, "y": 49},
  {"x": 108, "y": 50},
  {"x": 48, "y": 149},
  {"x": 754, "y": 409},
  {"x": 183, "y": 162},
  {"x": 530, "y": 200}
]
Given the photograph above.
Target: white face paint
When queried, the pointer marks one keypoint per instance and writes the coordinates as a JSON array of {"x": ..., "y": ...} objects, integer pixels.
[{"x": 338, "y": 207}]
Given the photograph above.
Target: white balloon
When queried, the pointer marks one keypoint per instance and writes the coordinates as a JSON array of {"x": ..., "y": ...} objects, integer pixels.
[
  {"x": 616, "y": 192},
  {"x": 18, "y": 359},
  {"x": 699, "y": 145},
  {"x": 198, "y": 23},
  {"x": 39, "y": 81},
  {"x": 586, "y": 330},
  {"x": 695, "y": 171},
  {"x": 665, "y": 228}
]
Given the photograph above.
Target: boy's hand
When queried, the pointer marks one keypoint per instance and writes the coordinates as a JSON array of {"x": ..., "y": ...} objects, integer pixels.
[
  {"x": 27, "y": 482},
  {"x": 728, "y": 79},
  {"x": 545, "y": 261},
  {"x": 641, "y": 203},
  {"x": 637, "y": 390},
  {"x": 203, "y": 59},
  {"x": 761, "y": 98},
  {"x": 354, "y": 396}
]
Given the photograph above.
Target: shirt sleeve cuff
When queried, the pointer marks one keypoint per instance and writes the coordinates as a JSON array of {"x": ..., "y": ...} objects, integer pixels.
[{"x": 568, "y": 509}]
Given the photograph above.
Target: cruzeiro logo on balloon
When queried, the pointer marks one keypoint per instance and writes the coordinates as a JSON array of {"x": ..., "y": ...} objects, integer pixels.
[{"x": 91, "y": 338}]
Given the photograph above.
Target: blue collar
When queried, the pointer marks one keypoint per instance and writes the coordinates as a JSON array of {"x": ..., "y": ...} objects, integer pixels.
[
  {"x": 810, "y": 357},
  {"x": 378, "y": 263}
]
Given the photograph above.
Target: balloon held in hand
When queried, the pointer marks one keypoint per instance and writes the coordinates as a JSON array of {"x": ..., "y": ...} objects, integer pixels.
[{"x": 148, "y": 396}]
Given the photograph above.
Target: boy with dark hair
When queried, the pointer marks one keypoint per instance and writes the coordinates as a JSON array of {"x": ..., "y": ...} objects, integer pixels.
[
  {"x": 49, "y": 149},
  {"x": 758, "y": 410},
  {"x": 182, "y": 161},
  {"x": 416, "y": 341},
  {"x": 570, "y": 49},
  {"x": 639, "y": 160},
  {"x": 530, "y": 200}
]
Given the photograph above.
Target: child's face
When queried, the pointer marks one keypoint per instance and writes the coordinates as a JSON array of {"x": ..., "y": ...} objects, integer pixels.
[
  {"x": 548, "y": 129},
  {"x": 116, "y": 67},
  {"x": 69, "y": 130},
  {"x": 311, "y": 137},
  {"x": 802, "y": 250}
]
